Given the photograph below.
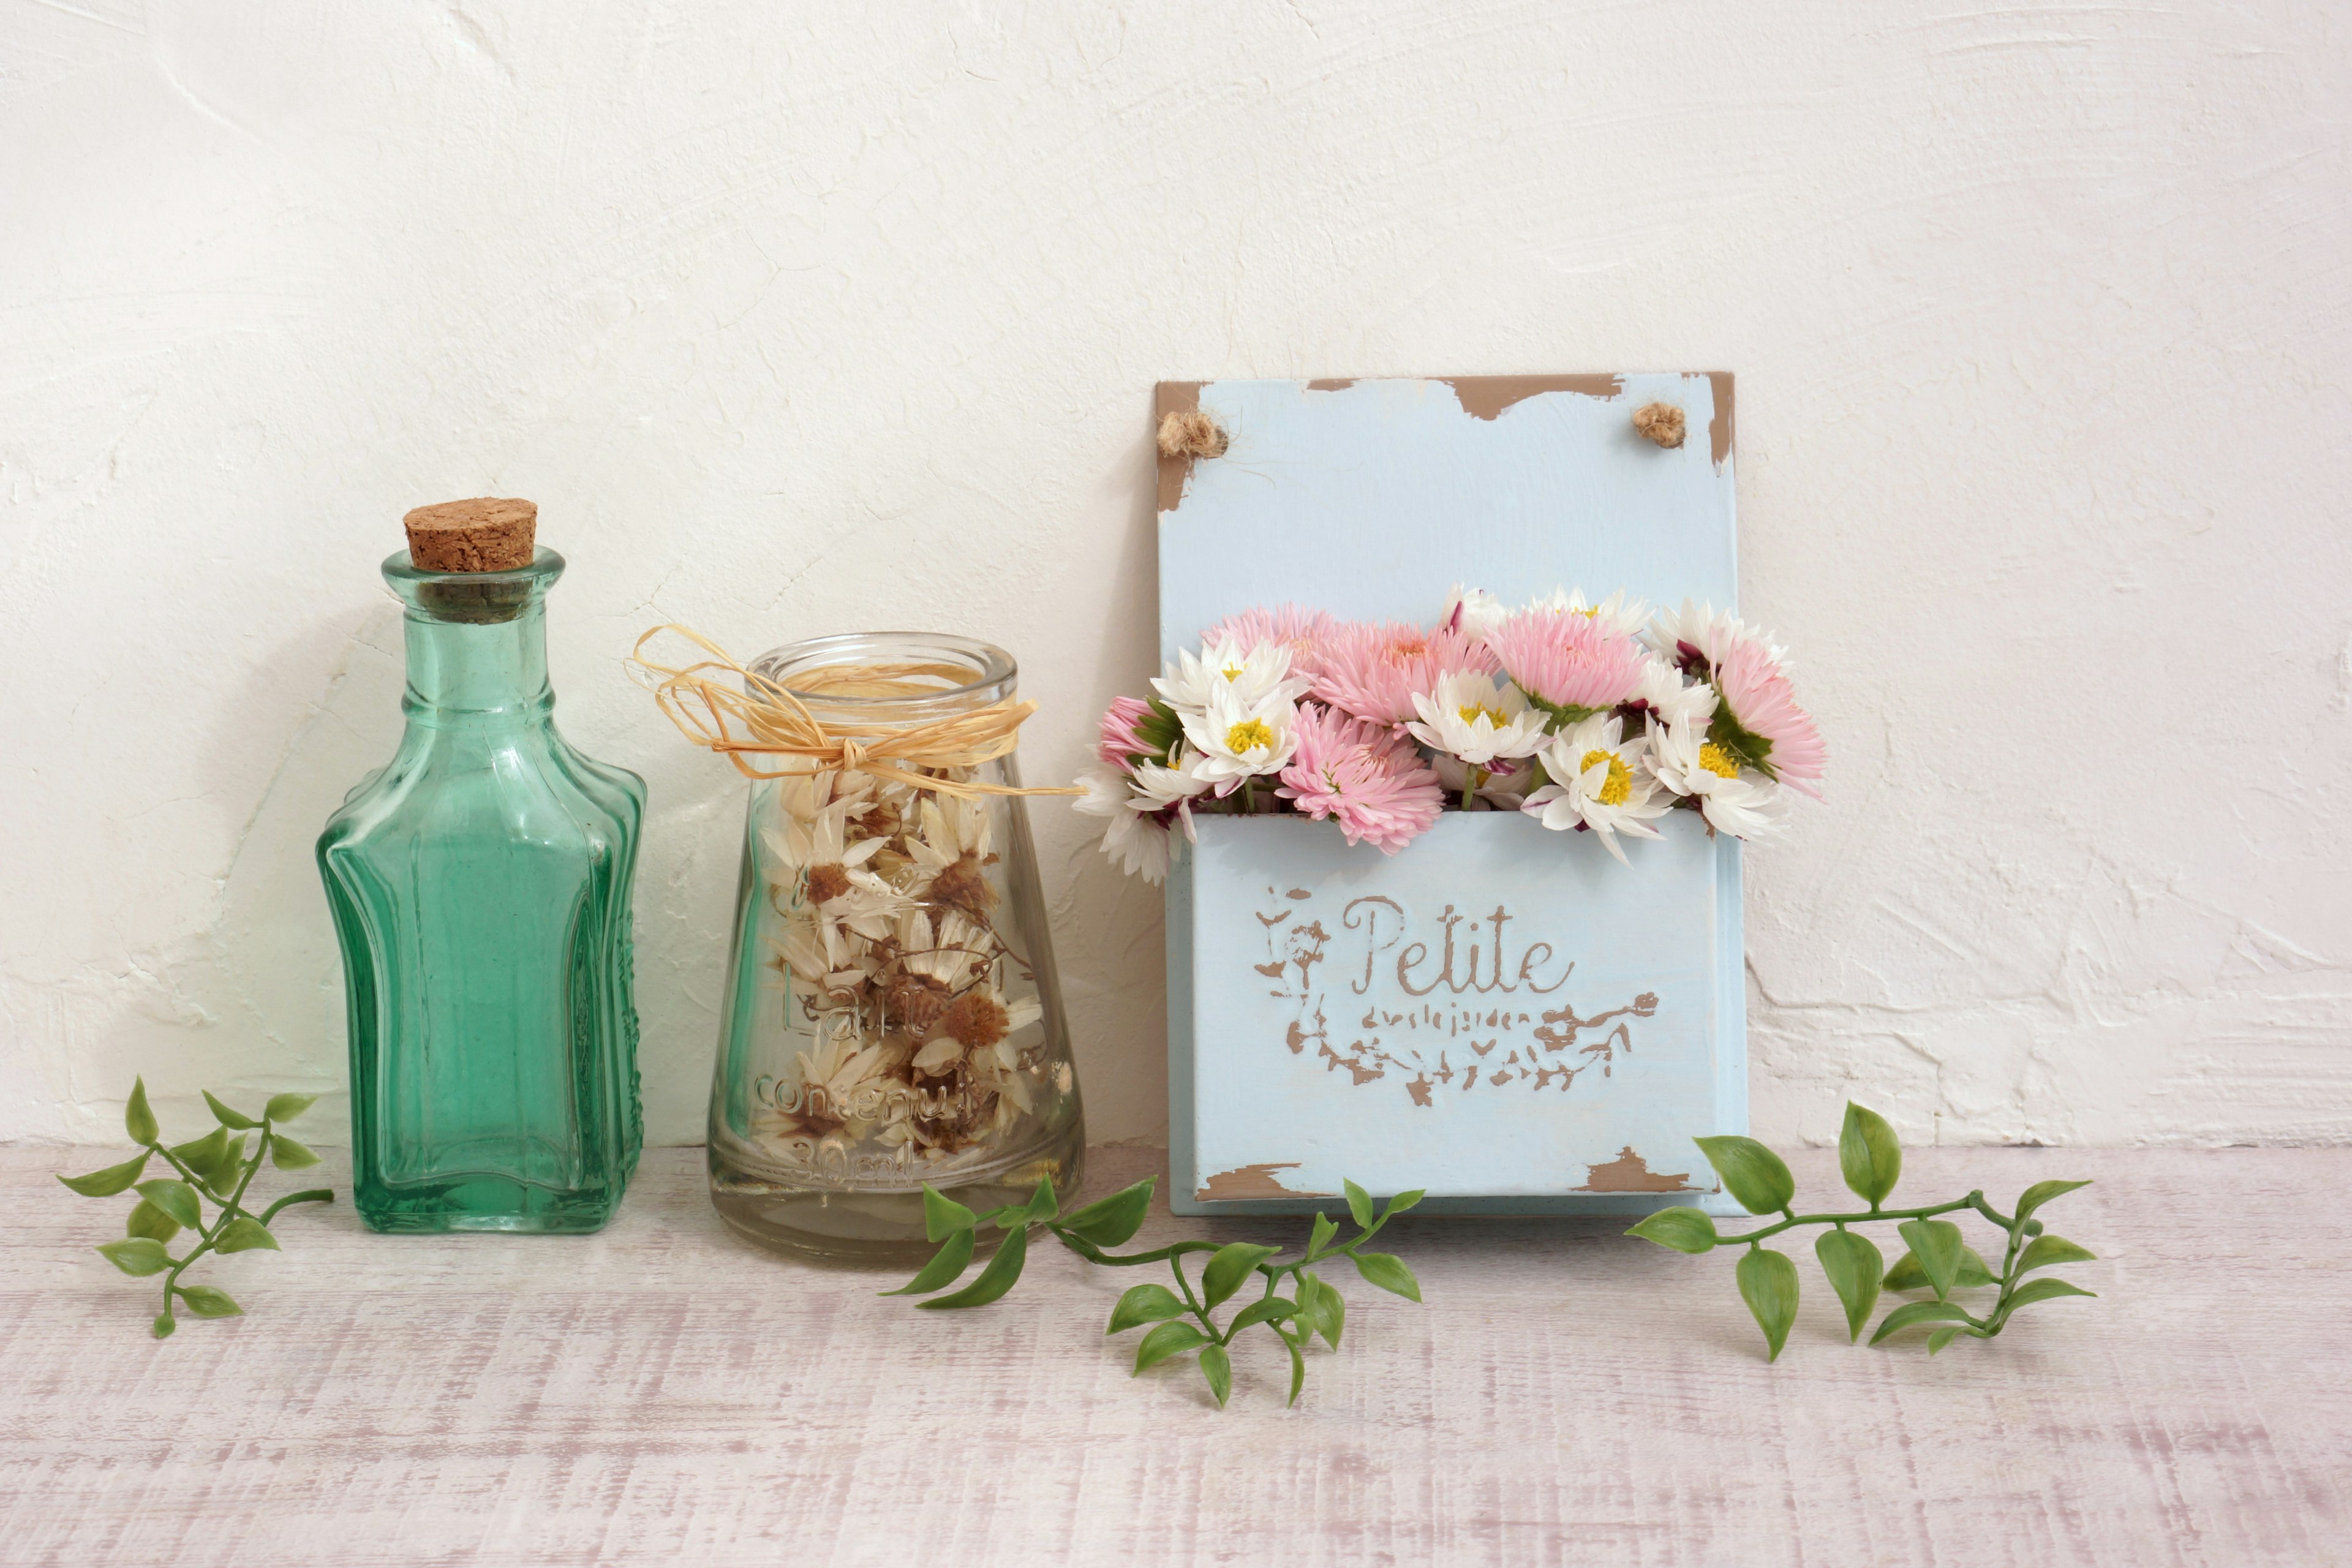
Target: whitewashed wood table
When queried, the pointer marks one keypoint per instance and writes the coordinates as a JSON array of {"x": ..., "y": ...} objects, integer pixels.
[{"x": 664, "y": 1393}]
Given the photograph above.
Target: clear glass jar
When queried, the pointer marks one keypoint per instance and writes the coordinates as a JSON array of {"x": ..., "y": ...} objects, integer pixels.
[{"x": 893, "y": 1017}]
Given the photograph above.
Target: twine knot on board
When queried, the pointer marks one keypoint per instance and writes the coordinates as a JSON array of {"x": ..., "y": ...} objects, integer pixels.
[
  {"x": 1660, "y": 421},
  {"x": 1191, "y": 434},
  {"x": 722, "y": 707}
]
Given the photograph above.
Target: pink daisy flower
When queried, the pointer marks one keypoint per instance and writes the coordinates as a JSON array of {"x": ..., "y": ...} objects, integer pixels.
[
  {"x": 1121, "y": 741},
  {"x": 1375, "y": 669},
  {"x": 1756, "y": 714},
  {"x": 1363, "y": 775},
  {"x": 1303, "y": 632},
  {"x": 1759, "y": 698},
  {"x": 1567, "y": 659}
]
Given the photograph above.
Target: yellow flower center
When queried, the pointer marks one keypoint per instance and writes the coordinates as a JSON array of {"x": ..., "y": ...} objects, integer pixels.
[
  {"x": 1233, "y": 672},
  {"x": 1474, "y": 712},
  {"x": 1718, "y": 761},
  {"x": 1589, "y": 612},
  {"x": 1617, "y": 786},
  {"x": 1249, "y": 736}
]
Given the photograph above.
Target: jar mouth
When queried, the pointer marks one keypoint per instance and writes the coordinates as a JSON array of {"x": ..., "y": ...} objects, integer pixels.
[{"x": 890, "y": 674}]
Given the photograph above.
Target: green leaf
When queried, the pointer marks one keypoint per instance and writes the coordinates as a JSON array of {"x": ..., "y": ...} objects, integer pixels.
[
  {"x": 1043, "y": 1204},
  {"x": 1941, "y": 1337},
  {"x": 226, "y": 1116},
  {"x": 1144, "y": 1304},
  {"x": 1907, "y": 1274},
  {"x": 107, "y": 1183},
  {"x": 1854, "y": 1265},
  {"x": 1753, "y": 1175},
  {"x": 947, "y": 1265},
  {"x": 1403, "y": 1202},
  {"x": 206, "y": 1302},
  {"x": 227, "y": 1171},
  {"x": 1298, "y": 1369},
  {"x": 148, "y": 1221},
  {"x": 137, "y": 1257},
  {"x": 1268, "y": 1310},
  {"x": 1218, "y": 1368},
  {"x": 288, "y": 1155},
  {"x": 1684, "y": 1229},
  {"x": 2045, "y": 1250},
  {"x": 1308, "y": 1286},
  {"x": 1159, "y": 729},
  {"x": 1767, "y": 1283},
  {"x": 1935, "y": 1243},
  {"x": 286, "y": 1106},
  {"x": 2043, "y": 1290},
  {"x": 1167, "y": 1340},
  {"x": 176, "y": 1198},
  {"x": 1110, "y": 1221},
  {"x": 1360, "y": 1204},
  {"x": 1746, "y": 744},
  {"x": 2041, "y": 1193},
  {"x": 1389, "y": 1272},
  {"x": 245, "y": 1234},
  {"x": 995, "y": 1279},
  {"x": 137, "y": 1119},
  {"x": 1563, "y": 715},
  {"x": 1921, "y": 1312},
  {"x": 1325, "y": 1228},
  {"x": 164, "y": 1325},
  {"x": 942, "y": 1215},
  {"x": 203, "y": 1155},
  {"x": 1869, "y": 1154},
  {"x": 1229, "y": 1266},
  {"x": 1330, "y": 1313}
]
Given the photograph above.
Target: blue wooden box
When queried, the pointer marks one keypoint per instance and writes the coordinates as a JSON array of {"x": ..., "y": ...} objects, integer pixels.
[{"x": 1499, "y": 1013}]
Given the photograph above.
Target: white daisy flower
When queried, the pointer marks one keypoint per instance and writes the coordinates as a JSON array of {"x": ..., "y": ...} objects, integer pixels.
[
  {"x": 1614, "y": 612},
  {"x": 1670, "y": 701},
  {"x": 1599, "y": 782},
  {"x": 1237, "y": 740},
  {"x": 1740, "y": 802},
  {"x": 1254, "y": 674},
  {"x": 1477, "y": 718},
  {"x": 946, "y": 951},
  {"x": 1136, "y": 842},
  {"x": 1708, "y": 631},
  {"x": 1473, "y": 612}
]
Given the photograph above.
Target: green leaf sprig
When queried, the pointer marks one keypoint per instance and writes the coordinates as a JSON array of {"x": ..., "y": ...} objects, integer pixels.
[
  {"x": 1935, "y": 1259},
  {"x": 1312, "y": 1305},
  {"x": 215, "y": 1166}
]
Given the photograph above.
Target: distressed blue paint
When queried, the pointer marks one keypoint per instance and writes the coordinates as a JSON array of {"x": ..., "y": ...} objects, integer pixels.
[{"x": 1371, "y": 501}]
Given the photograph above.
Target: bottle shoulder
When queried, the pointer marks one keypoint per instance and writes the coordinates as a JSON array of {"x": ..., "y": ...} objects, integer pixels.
[{"x": 460, "y": 790}]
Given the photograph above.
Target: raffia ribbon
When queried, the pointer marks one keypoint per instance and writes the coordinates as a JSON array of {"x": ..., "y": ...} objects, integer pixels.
[{"x": 725, "y": 707}]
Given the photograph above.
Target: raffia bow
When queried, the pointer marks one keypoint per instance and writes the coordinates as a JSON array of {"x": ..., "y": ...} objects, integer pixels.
[{"x": 739, "y": 713}]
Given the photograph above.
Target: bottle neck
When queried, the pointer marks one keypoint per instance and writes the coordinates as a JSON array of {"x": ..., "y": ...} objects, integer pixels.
[
  {"x": 472, "y": 672},
  {"x": 476, "y": 642}
]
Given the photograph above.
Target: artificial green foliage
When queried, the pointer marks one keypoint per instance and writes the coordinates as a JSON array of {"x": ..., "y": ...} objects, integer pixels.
[
  {"x": 1294, "y": 1303},
  {"x": 217, "y": 1167},
  {"x": 1936, "y": 1257}
]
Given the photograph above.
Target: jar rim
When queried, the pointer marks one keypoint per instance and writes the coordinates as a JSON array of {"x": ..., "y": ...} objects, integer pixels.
[{"x": 992, "y": 670}]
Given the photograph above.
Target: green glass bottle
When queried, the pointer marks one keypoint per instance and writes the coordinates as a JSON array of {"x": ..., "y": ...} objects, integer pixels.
[{"x": 480, "y": 887}]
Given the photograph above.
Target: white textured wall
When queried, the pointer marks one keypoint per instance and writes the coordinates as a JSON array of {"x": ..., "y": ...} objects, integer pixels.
[{"x": 799, "y": 319}]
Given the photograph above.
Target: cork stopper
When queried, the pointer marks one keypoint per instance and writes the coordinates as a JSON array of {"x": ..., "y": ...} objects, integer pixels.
[{"x": 483, "y": 534}]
